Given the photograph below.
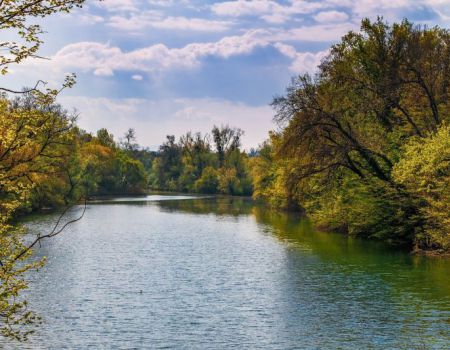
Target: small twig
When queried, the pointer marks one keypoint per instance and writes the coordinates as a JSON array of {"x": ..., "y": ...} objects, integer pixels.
[
  {"x": 35, "y": 88},
  {"x": 53, "y": 233}
]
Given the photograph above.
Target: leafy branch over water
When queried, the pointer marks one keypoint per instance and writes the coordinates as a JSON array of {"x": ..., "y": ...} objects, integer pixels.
[{"x": 33, "y": 135}]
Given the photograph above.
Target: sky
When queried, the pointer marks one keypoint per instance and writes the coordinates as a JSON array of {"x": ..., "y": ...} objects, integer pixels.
[{"x": 167, "y": 67}]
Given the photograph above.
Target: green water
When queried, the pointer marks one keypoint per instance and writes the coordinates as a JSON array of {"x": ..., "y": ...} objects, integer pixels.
[{"x": 181, "y": 273}]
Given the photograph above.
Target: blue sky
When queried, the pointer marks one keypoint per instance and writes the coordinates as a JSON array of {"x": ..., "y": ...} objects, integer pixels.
[{"x": 167, "y": 67}]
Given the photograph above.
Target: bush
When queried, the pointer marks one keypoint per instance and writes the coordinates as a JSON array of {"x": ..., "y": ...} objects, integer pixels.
[{"x": 424, "y": 170}]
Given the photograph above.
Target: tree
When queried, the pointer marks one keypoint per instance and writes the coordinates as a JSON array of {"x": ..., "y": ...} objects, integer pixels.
[
  {"x": 270, "y": 177},
  {"x": 366, "y": 89},
  {"x": 229, "y": 182},
  {"x": 129, "y": 142},
  {"x": 343, "y": 129},
  {"x": 208, "y": 182},
  {"x": 425, "y": 172},
  {"x": 105, "y": 138},
  {"x": 133, "y": 179},
  {"x": 196, "y": 156},
  {"x": 34, "y": 141},
  {"x": 31, "y": 133},
  {"x": 167, "y": 167},
  {"x": 226, "y": 139}
]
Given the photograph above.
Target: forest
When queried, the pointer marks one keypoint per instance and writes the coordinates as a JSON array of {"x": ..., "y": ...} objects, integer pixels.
[{"x": 362, "y": 147}]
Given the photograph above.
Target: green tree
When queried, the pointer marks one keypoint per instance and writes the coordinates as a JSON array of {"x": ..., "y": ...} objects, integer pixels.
[
  {"x": 208, "y": 182},
  {"x": 229, "y": 183},
  {"x": 343, "y": 130},
  {"x": 270, "y": 177},
  {"x": 167, "y": 167},
  {"x": 34, "y": 141},
  {"x": 226, "y": 139},
  {"x": 105, "y": 138},
  {"x": 424, "y": 170}
]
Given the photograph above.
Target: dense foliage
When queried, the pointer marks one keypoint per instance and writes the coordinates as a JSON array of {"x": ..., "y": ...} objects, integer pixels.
[
  {"x": 364, "y": 145},
  {"x": 32, "y": 134},
  {"x": 194, "y": 165}
]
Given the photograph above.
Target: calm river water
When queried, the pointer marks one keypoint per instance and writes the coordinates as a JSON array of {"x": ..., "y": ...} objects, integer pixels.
[{"x": 168, "y": 272}]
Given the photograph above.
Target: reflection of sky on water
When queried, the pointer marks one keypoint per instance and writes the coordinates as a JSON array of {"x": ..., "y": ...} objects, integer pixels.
[
  {"x": 224, "y": 273},
  {"x": 149, "y": 198}
]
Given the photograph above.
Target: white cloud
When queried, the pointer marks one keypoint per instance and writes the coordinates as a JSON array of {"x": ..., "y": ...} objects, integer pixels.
[
  {"x": 364, "y": 8},
  {"x": 269, "y": 10},
  {"x": 194, "y": 24},
  {"x": 137, "y": 22},
  {"x": 302, "y": 62},
  {"x": 104, "y": 59},
  {"x": 330, "y": 17},
  {"x": 89, "y": 19},
  {"x": 103, "y": 71},
  {"x": 277, "y": 12},
  {"x": 320, "y": 32},
  {"x": 304, "y": 7},
  {"x": 275, "y": 18},
  {"x": 118, "y": 5},
  {"x": 172, "y": 117},
  {"x": 168, "y": 3},
  {"x": 334, "y": 19},
  {"x": 391, "y": 10},
  {"x": 134, "y": 21},
  {"x": 245, "y": 7}
]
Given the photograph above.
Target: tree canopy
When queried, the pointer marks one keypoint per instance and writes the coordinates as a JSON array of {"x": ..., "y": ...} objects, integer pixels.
[
  {"x": 343, "y": 133},
  {"x": 35, "y": 145}
]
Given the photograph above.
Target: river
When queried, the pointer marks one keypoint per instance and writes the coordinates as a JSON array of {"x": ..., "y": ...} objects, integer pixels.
[{"x": 176, "y": 272}]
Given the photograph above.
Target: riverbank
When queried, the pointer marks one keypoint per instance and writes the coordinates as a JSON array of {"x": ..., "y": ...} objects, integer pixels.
[
  {"x": 438, "y": 253},
  {"x": 300, "y": 213}
]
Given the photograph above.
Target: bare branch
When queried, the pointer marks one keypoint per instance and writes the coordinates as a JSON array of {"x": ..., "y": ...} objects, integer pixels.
[{"x": 54, "y": 232}]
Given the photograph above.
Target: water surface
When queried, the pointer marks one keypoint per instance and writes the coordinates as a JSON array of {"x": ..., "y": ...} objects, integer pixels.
[{"x": 207, "y": 273}]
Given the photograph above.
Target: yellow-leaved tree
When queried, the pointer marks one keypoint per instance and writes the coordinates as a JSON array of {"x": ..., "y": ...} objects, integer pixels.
[
  {"x": 425, "y": 171},
  {"x": 32, "y": 133}
]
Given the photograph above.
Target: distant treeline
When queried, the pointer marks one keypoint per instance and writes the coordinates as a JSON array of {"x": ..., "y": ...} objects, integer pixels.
[
  {"x": 60, "y": 163},
  {"x": 211, "y": 163},
  {"x": 195, "y": 164}
]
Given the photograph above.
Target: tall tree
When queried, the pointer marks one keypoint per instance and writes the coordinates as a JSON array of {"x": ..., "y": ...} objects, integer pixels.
[
  {"x": 226, "y": 139},
  {"x": 129, "y": 140},
  {"x": 29, "y": 138},
  {"x": 343, "y": 130}
]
